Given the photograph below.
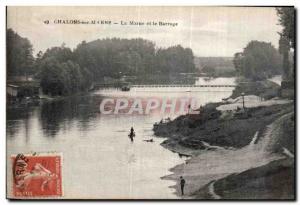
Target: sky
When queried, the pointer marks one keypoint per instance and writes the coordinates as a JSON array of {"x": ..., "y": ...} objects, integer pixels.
[{"x": 208, "y": 31}]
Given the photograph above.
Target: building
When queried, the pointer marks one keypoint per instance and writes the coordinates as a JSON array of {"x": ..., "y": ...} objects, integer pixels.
[{"x": 12, "y": 90}]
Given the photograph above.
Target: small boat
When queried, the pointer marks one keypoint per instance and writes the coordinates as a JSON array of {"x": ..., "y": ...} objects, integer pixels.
[
  {"x": 125, "y": 88},
  {"x": 131, "y": 136},
  {"x": 151, "y": 140}
]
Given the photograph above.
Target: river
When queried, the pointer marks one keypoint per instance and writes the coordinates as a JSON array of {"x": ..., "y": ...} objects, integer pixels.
[{"x": 99, "y": 161}]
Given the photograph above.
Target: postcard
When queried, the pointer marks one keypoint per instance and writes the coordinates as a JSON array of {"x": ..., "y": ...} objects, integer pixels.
[{"x": 150, "y": 103}]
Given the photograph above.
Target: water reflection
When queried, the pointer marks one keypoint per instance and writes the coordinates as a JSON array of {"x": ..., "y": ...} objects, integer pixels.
[
  {"x": 74, "y": 127},
  {"x": 18, "y": 117},
  {"x": 60, "y": 114}
]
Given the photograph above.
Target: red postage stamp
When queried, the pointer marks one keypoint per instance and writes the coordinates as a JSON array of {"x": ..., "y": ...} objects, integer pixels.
[{"x": 37, "y": 175}]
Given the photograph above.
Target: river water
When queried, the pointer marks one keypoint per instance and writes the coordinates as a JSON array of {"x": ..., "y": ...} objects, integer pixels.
[{"x": 99, "y": 161}]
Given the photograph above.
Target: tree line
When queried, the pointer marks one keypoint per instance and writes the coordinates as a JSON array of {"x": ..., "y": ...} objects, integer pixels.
[
  {"x": 215, "y": 66},
  {"x": 62, "y": 71}
]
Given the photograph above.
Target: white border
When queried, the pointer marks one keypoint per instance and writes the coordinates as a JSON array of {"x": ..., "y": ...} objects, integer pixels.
[
  {"x": 152, "y": 2},
  {"x": 4, "y": 3}
]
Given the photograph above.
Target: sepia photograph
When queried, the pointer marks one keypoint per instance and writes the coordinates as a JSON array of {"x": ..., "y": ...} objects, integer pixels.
[{"x": 150, "y": 102}]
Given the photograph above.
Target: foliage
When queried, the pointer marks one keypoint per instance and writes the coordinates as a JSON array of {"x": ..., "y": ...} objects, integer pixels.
[
  {"x": 287, "y": 21},
  {"x": 174, "y": 60},
  {"x": 61, "y": 77},
  {"x": 19, "y": 55},
  {"x": 115, "y": 57},
  {"x": 63, "y": 72},
  {"x": 259, "y": 60},
  {"x": 287, "y": 38}
]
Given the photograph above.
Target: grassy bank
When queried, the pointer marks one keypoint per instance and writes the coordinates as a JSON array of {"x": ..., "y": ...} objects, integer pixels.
[
  {"x": 187, "y": 133},
  {"x": 265, "y": 89}
]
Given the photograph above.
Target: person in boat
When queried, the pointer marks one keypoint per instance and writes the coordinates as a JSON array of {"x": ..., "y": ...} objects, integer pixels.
[{"x": 131, "y": 134}]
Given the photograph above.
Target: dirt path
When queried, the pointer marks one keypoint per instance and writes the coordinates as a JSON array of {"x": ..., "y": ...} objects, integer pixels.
[{"x": 215, "y": 164}]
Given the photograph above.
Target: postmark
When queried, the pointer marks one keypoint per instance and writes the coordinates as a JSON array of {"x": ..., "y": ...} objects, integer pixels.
[{"x": 37, "y": 175}]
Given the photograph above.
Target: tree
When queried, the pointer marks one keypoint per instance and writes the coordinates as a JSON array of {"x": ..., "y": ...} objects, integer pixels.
[
  {"x": 287, "y": 21},
  {"x": 238, "y": 62},
  {"x": 61, "y": 54},
  {"x": 259, "y": 60},
  {"x": 61, "y": 78},
  {"x": 284, "y": 49},
  {"x": 63, "y": 72},
  {"x": 112, "y": 57},
  {"x": 175, "y": 60},
  {"x": 19, "y": 50},
  {"x": 287, "y": 37},
  {"x": 59, "y": 74},
  {"x": 52, "y": 77}
]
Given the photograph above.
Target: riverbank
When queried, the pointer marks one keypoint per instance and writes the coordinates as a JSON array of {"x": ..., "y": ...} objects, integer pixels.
[
  {"x": 191, "y": 134},
  {"x": 265, "y": 89},
  {"x": 36, "y": 101},
  {"x": 274, "y": 180},
  {"x": 227, "y": 132}
]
